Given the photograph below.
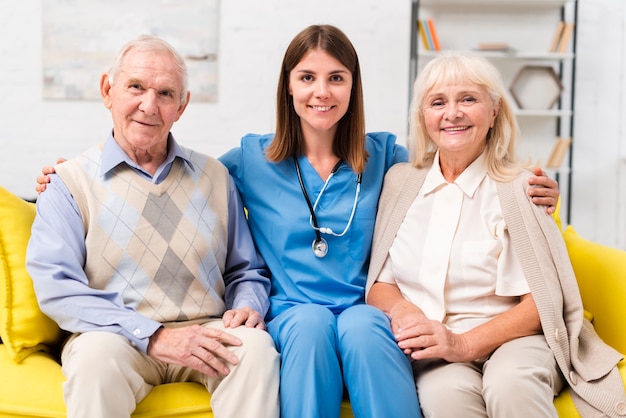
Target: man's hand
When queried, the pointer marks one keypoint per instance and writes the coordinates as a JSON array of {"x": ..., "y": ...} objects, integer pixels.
[
  {"x": 200, "y": 348},
  {"x": 243, "y": 316}
]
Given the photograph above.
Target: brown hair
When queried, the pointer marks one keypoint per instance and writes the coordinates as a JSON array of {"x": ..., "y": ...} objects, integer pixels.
[{"x": 349, "y": 141}]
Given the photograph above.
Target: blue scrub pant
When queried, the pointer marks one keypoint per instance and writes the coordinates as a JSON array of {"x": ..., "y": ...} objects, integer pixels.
[{"x": 321, "y": 351}]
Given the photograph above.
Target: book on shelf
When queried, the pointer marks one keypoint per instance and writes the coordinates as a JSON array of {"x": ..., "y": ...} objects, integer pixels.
[
  {"x": 423, "y": 35},
  {"x": 568, "y": 31},
  {"x": 561, "y": 145},
  {"x": 494, "y": 46},
  {"x": 562, "y": 36},
  {"x": 428, "y": 34},
  {"x": 554, "y": 45},
  {"x": 433, "y": 34}
]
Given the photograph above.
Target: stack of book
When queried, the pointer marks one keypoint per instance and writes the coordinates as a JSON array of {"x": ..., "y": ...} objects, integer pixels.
[{"x": 428, "y": 34}]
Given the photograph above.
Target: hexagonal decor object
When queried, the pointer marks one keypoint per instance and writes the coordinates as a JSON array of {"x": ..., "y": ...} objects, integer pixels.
[{"x": 536, "y": 87}]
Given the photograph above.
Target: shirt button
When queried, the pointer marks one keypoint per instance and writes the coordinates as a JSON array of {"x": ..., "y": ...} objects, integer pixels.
[
  {"x": 620, "y": 408},
  {"x": 573, "y": 378},
  {"x": 136, "y": 332}
]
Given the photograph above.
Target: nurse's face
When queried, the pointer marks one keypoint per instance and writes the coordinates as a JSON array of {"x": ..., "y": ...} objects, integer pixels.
[{"x": 321, "y": 87}]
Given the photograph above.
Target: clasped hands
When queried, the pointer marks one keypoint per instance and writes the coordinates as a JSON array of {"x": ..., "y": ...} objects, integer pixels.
[
  {"x": 423, "y": 338},
  {"x": 202, "y": 348}
]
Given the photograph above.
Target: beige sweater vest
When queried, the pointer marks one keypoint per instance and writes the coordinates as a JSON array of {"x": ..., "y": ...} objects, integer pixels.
[{"x": 160, "y": 247}]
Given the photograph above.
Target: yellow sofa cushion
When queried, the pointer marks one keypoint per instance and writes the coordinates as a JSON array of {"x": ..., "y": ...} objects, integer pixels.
[
  {"x": 32, "y": 388},
  {"x": 24, "y": 329}
]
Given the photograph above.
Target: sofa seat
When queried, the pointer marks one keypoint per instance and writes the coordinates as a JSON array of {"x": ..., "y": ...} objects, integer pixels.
[
  {"x": 31, "y": 380},
  {"x": 33, "y": 388}
]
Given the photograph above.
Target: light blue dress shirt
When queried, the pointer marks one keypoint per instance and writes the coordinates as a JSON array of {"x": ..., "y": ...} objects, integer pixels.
[{"x": 56, "y": 256}]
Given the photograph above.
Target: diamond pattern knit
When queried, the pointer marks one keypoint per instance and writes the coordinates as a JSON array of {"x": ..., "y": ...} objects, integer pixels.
[{"x": 161, "y": 247}]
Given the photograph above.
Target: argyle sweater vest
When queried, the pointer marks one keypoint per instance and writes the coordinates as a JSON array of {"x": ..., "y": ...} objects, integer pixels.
[{"x": 161, "y": 248}]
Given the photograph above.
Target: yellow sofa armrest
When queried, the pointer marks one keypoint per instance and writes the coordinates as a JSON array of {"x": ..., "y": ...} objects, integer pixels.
[{"x": 601, "y": 275}]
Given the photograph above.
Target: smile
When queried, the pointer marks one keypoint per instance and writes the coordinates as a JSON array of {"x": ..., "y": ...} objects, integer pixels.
[
  {"x": 144, "y": 123},
  {"x": 321, "y": 108},
  {"x": 456, "y": 128}
]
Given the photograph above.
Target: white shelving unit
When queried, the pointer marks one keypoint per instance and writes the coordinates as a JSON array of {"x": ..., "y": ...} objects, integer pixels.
[{"x": 527, "y": 27}]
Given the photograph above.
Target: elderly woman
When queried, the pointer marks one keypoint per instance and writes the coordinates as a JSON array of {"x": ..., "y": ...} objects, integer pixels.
[{"x": 475, "y": 278}]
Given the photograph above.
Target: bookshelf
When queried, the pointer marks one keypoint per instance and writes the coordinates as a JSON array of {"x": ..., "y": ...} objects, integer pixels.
[{"x": 516, "y": 35}]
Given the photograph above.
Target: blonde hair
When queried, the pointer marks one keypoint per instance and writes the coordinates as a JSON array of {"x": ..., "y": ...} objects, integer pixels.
[{"x": 450, "y": 69}]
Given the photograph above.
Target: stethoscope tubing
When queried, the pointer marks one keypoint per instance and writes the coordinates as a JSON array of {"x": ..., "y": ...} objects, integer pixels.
[{"x": 313, "y": 219}]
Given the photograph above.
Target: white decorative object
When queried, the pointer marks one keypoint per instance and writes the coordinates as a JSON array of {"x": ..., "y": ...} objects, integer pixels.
[{"x": 536, "y": 87}]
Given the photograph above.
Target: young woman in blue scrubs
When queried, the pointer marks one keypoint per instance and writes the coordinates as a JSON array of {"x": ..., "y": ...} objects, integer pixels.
[
  {"x": 325, "y": 333},
  {"x": 311, "y": 191}
]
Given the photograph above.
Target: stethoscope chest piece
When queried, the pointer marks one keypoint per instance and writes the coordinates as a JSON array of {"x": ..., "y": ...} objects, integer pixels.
[{"x": 320, "y": 247}]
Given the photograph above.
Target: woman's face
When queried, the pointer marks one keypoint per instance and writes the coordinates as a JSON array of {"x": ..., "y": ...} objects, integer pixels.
[
  {"x": 458, "y": 117},
  {"x": 320, "y": 86}
]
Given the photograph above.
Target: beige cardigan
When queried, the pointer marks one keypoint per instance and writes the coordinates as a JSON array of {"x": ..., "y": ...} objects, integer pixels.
[{"x": 588, "y": 364}]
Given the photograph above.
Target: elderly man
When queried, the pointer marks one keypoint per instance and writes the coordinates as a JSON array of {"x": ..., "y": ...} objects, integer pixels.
[{"x": 140, "y": 249}]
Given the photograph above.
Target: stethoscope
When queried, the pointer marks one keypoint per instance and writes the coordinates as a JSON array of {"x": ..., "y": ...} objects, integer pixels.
[{"x": 320, "y": 245}]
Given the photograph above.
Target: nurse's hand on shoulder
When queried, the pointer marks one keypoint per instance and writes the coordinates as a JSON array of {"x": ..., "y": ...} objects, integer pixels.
[
  {"x": 545, "y": 191},
  {"x": 44, "y": 179}
]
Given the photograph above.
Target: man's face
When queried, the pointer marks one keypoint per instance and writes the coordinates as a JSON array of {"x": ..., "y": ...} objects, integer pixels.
[{"x": 144, "y": 100}]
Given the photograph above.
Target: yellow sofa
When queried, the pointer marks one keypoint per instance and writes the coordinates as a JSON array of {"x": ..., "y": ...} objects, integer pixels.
[{"x": 31, "y": 378}]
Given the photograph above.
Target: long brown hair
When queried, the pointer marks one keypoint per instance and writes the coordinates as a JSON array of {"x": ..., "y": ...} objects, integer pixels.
[{"x": 349, "y": 141}]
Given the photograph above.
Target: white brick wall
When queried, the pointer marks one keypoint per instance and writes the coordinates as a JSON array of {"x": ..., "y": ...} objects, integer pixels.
[{"x": 253, "y": 36}]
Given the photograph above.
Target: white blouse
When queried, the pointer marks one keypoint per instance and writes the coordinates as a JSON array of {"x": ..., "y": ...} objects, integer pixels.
[{"x": 452, "y": 256}]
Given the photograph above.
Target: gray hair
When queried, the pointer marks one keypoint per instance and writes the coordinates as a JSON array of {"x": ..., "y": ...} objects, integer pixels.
[{"x": 152, "y": 43}]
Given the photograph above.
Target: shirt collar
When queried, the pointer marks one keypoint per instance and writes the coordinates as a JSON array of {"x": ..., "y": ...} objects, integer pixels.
[
  {"x": 113, "y": 155},
  {"x": 468, "y": 181}
]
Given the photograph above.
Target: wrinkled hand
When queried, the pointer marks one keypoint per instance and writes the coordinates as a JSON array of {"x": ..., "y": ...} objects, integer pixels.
[
  {"x": 200, "y": 348},
  {"x": 405, "y": 315},
  {"x": 545, "y": 192},
  {"x": 431, "y": 339},
  {"x": 44, "y": 179},
  {"x": 243, "y": 316}
]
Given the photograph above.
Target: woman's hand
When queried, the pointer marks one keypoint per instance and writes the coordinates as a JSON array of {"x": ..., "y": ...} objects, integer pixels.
[
  {"x": 404, "y": 315},
  {"x": 431, "y": 339},
  {"x": 44, "y": 179},
  {"x": 233, "y": 318},
  {"x": 545, "y": 191}
]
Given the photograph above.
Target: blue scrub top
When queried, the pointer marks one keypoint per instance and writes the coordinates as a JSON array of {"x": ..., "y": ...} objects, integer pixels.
[{"x": 279, "y": 221}]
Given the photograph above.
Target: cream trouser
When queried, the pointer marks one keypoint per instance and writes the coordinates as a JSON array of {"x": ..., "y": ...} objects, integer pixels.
[
  {"x": 520, "y": 379},
  {"x": 107, "y": 376}
]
